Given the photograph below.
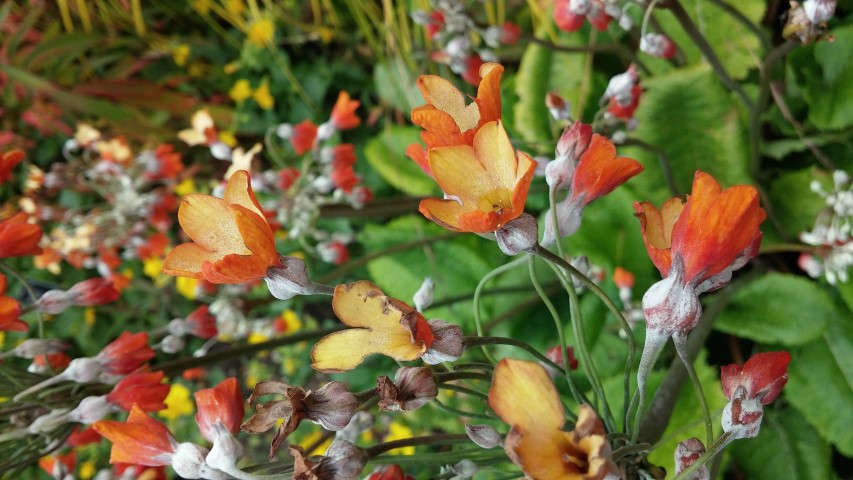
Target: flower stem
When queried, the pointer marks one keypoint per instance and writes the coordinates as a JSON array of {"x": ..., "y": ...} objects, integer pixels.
[
  {"x": 478, "y": 291},
  {"x": 680, "y": 341},
  {"x": 441, "y": 438},
  {"x": 471, "y": 342}
]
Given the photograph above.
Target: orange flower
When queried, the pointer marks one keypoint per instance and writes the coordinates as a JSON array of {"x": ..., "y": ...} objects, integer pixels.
[
  {"x": 233, "y": 243},
  {"x": 382, "y": 325},
  {"x": 221, "y": 405},
  {"x": 8, "y": 161},
  {"x": 446, "y": 119},
  {"x": 10, "y": 310},
  {"x": 708, "y": 233},
  {"x": 487, "y": 183},
  {"x": 140, "y": 441},
  {"x": 343, "y": 114},
  {"x": 18, "y": 238},
  {"x": 523, "y": 396},
  {"x": 303, "y": 137}
]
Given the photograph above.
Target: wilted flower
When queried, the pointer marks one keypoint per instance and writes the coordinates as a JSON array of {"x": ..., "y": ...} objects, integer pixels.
[
  {"x": 524, "y": 397},
  {"x": 342, "y": 461},
  {"x": 332, "y": 406},
  {"x": 412, "y": 388},
  {"x": 483, "y": 435},
  {"x": 233, "y": 243},
  {"x": 486, "y": 185},
  {"x": 749, "y": 387}
]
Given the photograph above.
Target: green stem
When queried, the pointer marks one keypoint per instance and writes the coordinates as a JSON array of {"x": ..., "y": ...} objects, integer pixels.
[
  {"x": 459, "y": 413},
  {"x": 716, "y": 448},
  {"x": 465, "y": 390},
  {"x": 478, "y": 291},
  {"x": 441, "y": 438},
  {"x": 576, "y": 393},
  {"x": 471, "y": 342},
  {"x": 680, "y": 341}
]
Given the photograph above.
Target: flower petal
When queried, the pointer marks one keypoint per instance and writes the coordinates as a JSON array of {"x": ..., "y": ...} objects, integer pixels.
[
  {"x": 489, "y": 92},
  {"x": 445, "y": 97},
  {"x": 495, "y": 153},
  {"x": 345, "y": 350},
  {"x": 187, "y": 260},
  {"x": 209, "y": 222},
  {"x": 599, "y": 171},
  {"x": 445, "y": 213},
  {"x": 458, "y": 172},
  {"x": 523, "y": 395},
  {"x": 238, "y": 191},
  {"x": 140, "y": 441},
  {"x": 656, "y": 227}
]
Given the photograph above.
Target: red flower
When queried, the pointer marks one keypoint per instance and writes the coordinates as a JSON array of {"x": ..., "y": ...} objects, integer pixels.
[
  {"x": 139, "y": 441},
  {"x": 435, "y": 24},
  {"x": 142, "y": 388},
  {"x": 10, "y": 310},
  {"x": 472, "y": 69},
  {"x": 569, "y": 15},
  {"x": 343, "y": 113},
  {"x": 126, "y": 353},
  {"x": 58, "y": 466},
  {"x": 761, "y": 377},
  {"x": 510, "y": 33},
  {"x": 83, "y": 436},
  {"x": 154, "y": 247},
  {"x": 8, "y": 161},
  {"x": 287, "y": 177},
  {"x": 222, "y": 405},
  {"x": 393, "y": 472},
  {"x": 168, "y": 163},
  {"x": 303, "y": 137},
  {"x": 19, "y": 238},
  {"x": 201, "y": 323},
  {"x": 626, "y": 112},
  {"x": 623, "y": 278},
  {"x": 57, "y": 361},
  {"x": 94, "y": 291}
]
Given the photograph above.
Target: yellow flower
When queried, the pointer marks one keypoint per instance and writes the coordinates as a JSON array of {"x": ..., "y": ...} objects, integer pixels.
[
  {"x": 185, "y": 188},
  {"x": 197, "y": 69},
  {"x": 180, "y": 54},
  {"x": 398, "y": 431},
  {"x": 89, "y": 316},
  {"x": 290, "y": 322},
  {"x": 178, "y": 403},
  {"x": 263, "y": 97},
  {"x": 87, "y": 470},
  {"x": 235, "y": 7},
  {"x": 240, "y": 91},
  {"x": 257, "y": 337},
  {"x": 186, "y": 286},
  {"x": 261, "y": 32},
  {"x": 227, "y": 137},
  {"x": 311, "y": 438},
  {"x": 153, "y": 268}
]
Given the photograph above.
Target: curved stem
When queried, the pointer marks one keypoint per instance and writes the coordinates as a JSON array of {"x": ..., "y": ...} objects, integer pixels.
[
  {"x": 459, "y": 413},
  {"x": 477, "y": 292},
  {"x": 646, "y": 17},
  {"x": 471, "y": 342},
  {"x": 680, "y": 341}
]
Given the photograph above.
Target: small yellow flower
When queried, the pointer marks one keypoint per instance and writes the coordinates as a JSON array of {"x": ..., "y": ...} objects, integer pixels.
[
  {"x": 261, "y": 32},
  {"x": 257, "y": 337},
  {"x": 180, "y": 54},
  {"x": 227, "y": 137},
  {"x": 87, "y": 470},
  {"x": 186, "y": 187},
  {"x": 186, "y": 287},
  {"x": 240, "y": 91},
  {"x": 178, "y": 403},
  {"x": 398, "y": 431},
  {"x": 235, "y": 7},
  {"x": 290, "y": 321},
  {"x": 289, "y": 366},
  {"x": 300, "y": 255},
  {"x": 152, "y": 267},
  {"x": 326, "y": 34},
  {"x": 197, "y": 69},
  {"x": 89, "y": 316},
  {"x": 263, "y": 97}
]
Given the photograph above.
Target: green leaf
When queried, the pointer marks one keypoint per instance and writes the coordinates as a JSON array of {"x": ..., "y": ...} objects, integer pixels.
[
  {"x": 543, "y": 70},
  {"x": 736, "y": 46},
  {"x": 386, "y": 154},
  {"x": 778, "y": 308},
  {"x": 820, "y": 383},
  {"x": 786, "y": 447},
  {"x": 397, "y": 85},
  {"x": 686, "y": 420},
  {"x": 689, "y": 115},
  {"x": 794, "y": 203}
]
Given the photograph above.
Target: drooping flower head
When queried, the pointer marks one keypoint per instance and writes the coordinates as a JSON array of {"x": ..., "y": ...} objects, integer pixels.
[
  {"x": 748, "y": 388},
  {"x": 447, "y": 119},
  {"x": 381, "y": 325},
  {"x": 343, "y": 113},
  {"x": 232, "y": 241},
  {"x": 524, "y": 397},
  {"x": 486, "y": 183}
]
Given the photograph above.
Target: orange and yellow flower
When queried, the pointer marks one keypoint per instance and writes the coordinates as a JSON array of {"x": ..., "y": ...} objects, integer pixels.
[
  {"x": 232, "y": 241},
  {"x": 19, "y": 238},
  {"x": 381, "y": 325},
  {"x": 486, "y": 183},
  {"x": 140, "y": 441},
  {"x": 343, "y": 113},
  {"x": 446, "y": 118},
  {"x": 707, "y": 233},
  {"x": 524, "y": 397}
]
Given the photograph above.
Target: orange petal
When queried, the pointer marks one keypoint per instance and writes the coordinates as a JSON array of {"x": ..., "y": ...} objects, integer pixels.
[
  {"x": 141, "y": 440},
  {"x": 445, "y": 213},
  {"x": 256, "y": 234},
  {"x": 599, "y": 171},
  {"x": 525, "y": 170},
  {"x": 220, "y": 404},
  {"x": 458, "y": 172},
  {"x": 522, "y": 394},
  {"x": 715, "y": 226},
  {"x": 187, "y": 259},
  {"x": 656, "y": 227},
  {"x": 419, "y": 156},
  {"x": 489, "y": 92},
  {"x": 542, "y": 455},
  {"x": 209, "y": 222},
  {"x": 495, "y": 153},
  {"x": 345, "y": 350},
  {"x": 438, "y": 123},
  {"x": 441, "y": 94},
  {"x": 238, "y": 191}
]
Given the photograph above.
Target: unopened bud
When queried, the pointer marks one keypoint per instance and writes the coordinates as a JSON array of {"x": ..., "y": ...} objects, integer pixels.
[
  {"x": 412, "y": 388},
  {"x": 33, "y": 347},
  {"x": 688, "y": 452},
  {"x": 657, "y": 45},
  {"x": 574, "y": 141},
  {"x": 742, "y": 415},
  {"x": 518, "y": 235},
  {"x": 465, "y": 469},
  {"x": 91, "y": 409},
  {"x": 424, "y": 296},
  {"x": 284, "y": 131},
  {"x": 172, "y": 344},
  {"x": 483, "y": 435},
  {"x": 670, "y": 306},
  {"x": 342, "y": 461},
  {"x": 557, "y": 106},
  {"x": 448, "y": 344}
]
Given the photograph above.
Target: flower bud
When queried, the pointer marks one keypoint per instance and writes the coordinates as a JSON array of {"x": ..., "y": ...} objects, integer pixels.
[
  {"x": 172, "y": 344},
  {"x": 424, "y": 296},
  {"x": 54, "y": 302},
  {"x": 557, "y": 106},
  {"x": 671, "y": 306},
  {"x": 465, "y": 469},
  {"x": 742, "y": 415},
  {"x": 33, "y": 347},
  {"x": 518, "y": 235},
  {"x": 688, "y": 452},
  {"x": 412, "y": 388},
  {"x": 483, "y": 435},
  {"x": 284, "y": 131},
  {"x": 657, "y": 45},
  {"x": 448, "y": 343},
  {"x": 325, "y": 131},
  {"x": 290, "y": 279},
  {"x": 574, "y": 141}
]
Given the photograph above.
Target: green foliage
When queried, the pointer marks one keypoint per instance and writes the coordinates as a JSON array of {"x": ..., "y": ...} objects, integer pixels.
[
  {"x": 786, "y": 447},
  {"x": 386, "y": 154},
  {"x": 689, "y": 115},
  {"x": 396, "y": 84},
  {"x": 794, "y": 203},
  {"x": 778, "y": 308},
  {"x": 820, "y": 383}
]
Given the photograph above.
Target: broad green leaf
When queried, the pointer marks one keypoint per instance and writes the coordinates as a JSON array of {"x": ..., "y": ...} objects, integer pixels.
[
  {"x": 689, "y": 116},
  {"x": 686, "y": 420},
  {"x": 846, "y": 291},
  {"x": 396, "y": 84},
  {"x": 786, "y": 447},
  {"x": 736, "y": 46},
  {"x": 794, "y": 203},
  {"x": 820, "y": 383},
  {"x": 386, "y": 154},
  {"x": 541, "y": 71},
  {"x": 778, "y": 308}
]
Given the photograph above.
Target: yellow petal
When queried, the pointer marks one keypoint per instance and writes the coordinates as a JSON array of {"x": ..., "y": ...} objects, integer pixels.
[
  {"x": 238, "y": 191},
  {"x": 186, "y": 260},
  {"x": 445, "y": 97},
  {"x": 345, "y": 350},
  {"x": 209, "y": 222},
  {"x": 192, "y": 137},
  {"x": 523, "y": 395},
  {"x": 445, "y": 213},
  {"x": 363, "y": 304},
  {"x": 458, "y": 172},
  {"x": 494, "y": 151}
]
